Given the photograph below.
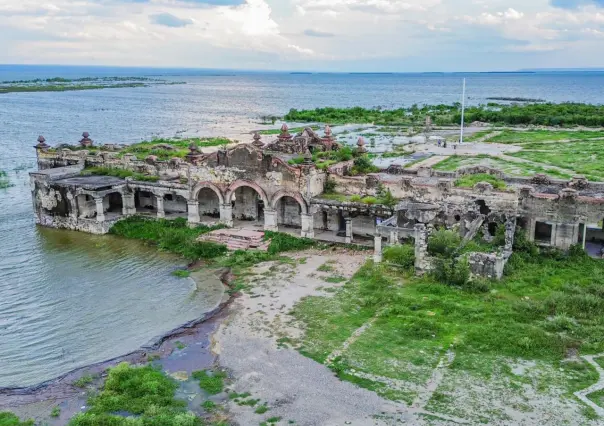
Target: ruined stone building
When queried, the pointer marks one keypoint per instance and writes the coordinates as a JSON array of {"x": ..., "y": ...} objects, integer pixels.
[{"x": 253, "y": 184}]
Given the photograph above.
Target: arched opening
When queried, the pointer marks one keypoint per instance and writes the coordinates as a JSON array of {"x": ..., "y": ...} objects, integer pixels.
[
  {"x": 209, "y": 203},
  {"x": 483, "y": 208},
  {"x": 86, "y": 206},
  {"x": 175, "y": 205},
  {"x": 289, "y": 212},
  {"x": 145, "y": 202},
  {"x": 493, "y": 228},
  {"x": 247, "y": 204},
  {"x": 113, "y": 205}
]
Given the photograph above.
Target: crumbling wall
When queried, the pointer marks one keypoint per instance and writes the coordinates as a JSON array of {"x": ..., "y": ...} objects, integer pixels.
[
  {"x": 288, "y": 212},
  {"x": 209, "y": 204},
  {"x": 487, "y": 265},
  {"x": 246, "y": 204}
]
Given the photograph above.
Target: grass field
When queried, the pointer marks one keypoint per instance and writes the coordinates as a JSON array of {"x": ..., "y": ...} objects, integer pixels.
[
  {"x": 504, "y": 351},
  {"x": 521, "y": 137}
]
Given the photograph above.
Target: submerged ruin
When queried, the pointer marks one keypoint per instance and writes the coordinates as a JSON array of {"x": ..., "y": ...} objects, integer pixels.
[{"x": 256, "y": 185}]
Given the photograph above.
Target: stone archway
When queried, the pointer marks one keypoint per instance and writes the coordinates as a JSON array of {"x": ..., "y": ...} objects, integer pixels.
[
  {"x": 289, "y": 210},
  {"x": 247, "y": 200}
]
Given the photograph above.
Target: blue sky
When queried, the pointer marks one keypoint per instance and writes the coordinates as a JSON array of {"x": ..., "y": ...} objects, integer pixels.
[{"x": 322, "y": 35}]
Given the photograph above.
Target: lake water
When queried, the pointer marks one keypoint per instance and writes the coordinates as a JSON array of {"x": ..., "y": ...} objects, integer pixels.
[{"x": 69, "y": 299}]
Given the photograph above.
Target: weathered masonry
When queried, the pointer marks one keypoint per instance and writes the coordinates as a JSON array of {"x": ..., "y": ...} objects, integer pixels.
[{"x": 253, "y": 185}]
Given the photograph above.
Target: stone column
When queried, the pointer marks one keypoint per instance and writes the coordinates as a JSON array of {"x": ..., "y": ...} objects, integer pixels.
[
  {"x": 129, "y": 207},
  {"x": 226, "y": 214},
  {"x": 270, "y": 220},
  {"x": 510, "y": 231},
  {"x": 532, "y": 223},
  {"x": 393, "y": 237},
  {"x": 552, "y": 240},
  {"x": 100, "y": 209},
  {"x": 348, "y": 230},
  {"x": 308, "y": 226},
  {"x": 584, "y": 234},
  {"x": 193, "y": 212},
  {"x": 422, "y": 263},
  {"x": 160, "y": 206},
  {"x": 377, "y": 248}
]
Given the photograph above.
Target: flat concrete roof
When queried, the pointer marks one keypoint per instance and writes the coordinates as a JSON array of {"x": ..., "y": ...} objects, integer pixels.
[{"x": 91, "y": 182}]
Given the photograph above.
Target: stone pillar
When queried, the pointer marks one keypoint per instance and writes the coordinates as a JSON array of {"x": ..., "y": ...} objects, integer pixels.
[
  {"x": 510, "y": 231},
  {"x": 532, "y": 223},
  {"x": 584, "y": 234},
  {"x": 160, "y": 206},
  {"x": 129, "y": 207},
  {"x": 226, "y": 214},
  {"x": 348, "y": 230},
  {"x": 308, "y": 226},
  {"x": 422, "y": 263},
  {"x": 377, "y": 248},
  {"x": 193, "y": 212},
  {"x": 270, "y": 220},
  {"x": 100, "y": 209},
  {"x": 393, "y": 237},
  {"x": 552, "y": 241}
]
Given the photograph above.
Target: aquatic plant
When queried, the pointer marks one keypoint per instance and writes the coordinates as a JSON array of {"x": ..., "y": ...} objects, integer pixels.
[
  {"x": 144, "y": 396},
  {"x": 171, "y": 235},
  {"x": 4, "y": 180},
  {"x": 210, "y": 381}
]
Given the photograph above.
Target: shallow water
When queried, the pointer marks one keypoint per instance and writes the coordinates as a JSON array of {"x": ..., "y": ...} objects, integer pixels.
[{"x": 68, "y": 299}]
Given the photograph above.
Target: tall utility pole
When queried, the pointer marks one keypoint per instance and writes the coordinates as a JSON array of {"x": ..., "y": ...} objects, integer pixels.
[{"x": 463, "y": 109}]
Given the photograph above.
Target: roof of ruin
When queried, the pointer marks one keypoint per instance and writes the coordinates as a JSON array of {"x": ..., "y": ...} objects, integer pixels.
[{"x": 93, "y": 183}]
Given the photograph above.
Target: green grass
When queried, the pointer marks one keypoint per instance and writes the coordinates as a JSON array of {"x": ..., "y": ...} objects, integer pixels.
[
  {"x": 142, "y": 395},
  {"x": 180, "y": 147},
  {"x": 56, "y": 411},
  {"x": 262, "y": 409},
  {"x": 522, "y": 137},
  {"x": 84, "y": 381},
  {"x": 281, "y": 242},
  {"x": 170, "y": 235},
  {"x": 469, "y": 181},
  {"x": 9, "y": 419},
  {"x": 179, "y": 345},
  {"x": 120, "y": 173},
  {"x": 210, "y": 381},
  {"x": 209, "y": 406},
  {"x": 181, "y": 273},
  {"x": 545, "y": 306},
  {"x": 597, "y": 397},
  {"x": 291, "y": 131},
  {"x": 456, "y": 162}
]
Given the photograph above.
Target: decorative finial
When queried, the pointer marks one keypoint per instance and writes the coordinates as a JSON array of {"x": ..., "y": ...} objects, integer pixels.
[
  {"x": 194, "y": 155},
  {"x": 308, "y": 157},
  {"x": 86, "y": 141},
  {"x": 328, "y": 131},
  {"x": 361, "y": 145},
  {"x": 257, "y": 140},
  {"x": 285, "y": 132},
  {"x": 42, "y": 145}
]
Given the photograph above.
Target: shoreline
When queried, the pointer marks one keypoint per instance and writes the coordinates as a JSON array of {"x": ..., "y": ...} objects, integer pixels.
[{"x": 63, "y": 386}]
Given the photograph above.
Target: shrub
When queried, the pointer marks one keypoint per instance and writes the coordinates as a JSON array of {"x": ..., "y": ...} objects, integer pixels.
[
  {"x": 356, "y": 198},
  {"x": 443, "y": 243},
  {"x": 329, "y": 187},
  {"x": 387, "y": 199},
  {"x": 452, "y": 272},
  {"x": 363, "y": 165},
  {"x": 210, "y": 381},
  {"x": 281, "y": 242},
  {"x": 470, "y": 180},
  {"x": 370, "y": 200},
  {"x": 9, "y": 419},
  {"x": 402, "y": 255}
]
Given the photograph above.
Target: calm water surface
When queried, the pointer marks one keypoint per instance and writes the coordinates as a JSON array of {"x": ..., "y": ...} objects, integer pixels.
[{"x": 69, "y": 299}]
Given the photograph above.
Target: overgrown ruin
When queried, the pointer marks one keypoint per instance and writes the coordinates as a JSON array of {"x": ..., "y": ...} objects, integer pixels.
[{"x": 256, "y": 185}]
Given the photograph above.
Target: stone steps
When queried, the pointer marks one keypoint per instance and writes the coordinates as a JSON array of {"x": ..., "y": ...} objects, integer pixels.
[{"x": 237, "y": 239}]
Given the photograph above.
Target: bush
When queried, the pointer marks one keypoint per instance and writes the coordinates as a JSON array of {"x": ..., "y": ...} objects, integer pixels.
[
  {"x": 444, "y": 243},
  {"x": 402, "y": 255},
  {"x": 470, "y": 180},
  {"x": 210, "y": 381},
  {"x": 281, "y": 242},
  {"x": 452, "y": 272},
  {"x": 171, "y": 235},
  {"x": 370, "y": 200},
  {"x": 363, "y": 165},
  {"x": 9, "y": 419},
  {"x": 356, "y": 198},
  {"x": 330, "y": 186}
]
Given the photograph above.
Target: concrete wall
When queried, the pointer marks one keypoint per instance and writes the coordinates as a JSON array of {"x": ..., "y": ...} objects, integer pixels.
[
  {"x": 246, "y": 204},
  {"x": 209, "y": 204},
  {"x": 177, "y": 204},
  {"x": 288, "y": 212}
]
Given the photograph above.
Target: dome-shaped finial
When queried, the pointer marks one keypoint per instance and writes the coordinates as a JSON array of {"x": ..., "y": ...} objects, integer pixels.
[
  {"x": 42, "y": 145},
  {"x": 285, "y": 132},
  {"x": 361, "y": 145},
  {"x": 327, "y": 131},
  {"x": 284, "y": 128},
  {"x": 86, "y": 141},
  {"x": 257, "y": 140}
]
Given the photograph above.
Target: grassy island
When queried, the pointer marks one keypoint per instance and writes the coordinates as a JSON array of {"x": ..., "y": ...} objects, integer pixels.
[
  {"x": 543, "y": 114},
  {"x": 59, "y": 84}
]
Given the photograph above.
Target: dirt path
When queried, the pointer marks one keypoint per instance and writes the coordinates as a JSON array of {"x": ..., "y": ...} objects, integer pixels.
[{"x": 293, "y": 387}]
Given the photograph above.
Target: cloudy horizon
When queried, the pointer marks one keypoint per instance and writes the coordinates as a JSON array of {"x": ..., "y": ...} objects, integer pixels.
[{"x": 306, "y": 35}]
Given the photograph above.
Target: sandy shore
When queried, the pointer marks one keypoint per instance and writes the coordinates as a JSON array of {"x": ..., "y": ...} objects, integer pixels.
[{"x": 294, "y": 387}]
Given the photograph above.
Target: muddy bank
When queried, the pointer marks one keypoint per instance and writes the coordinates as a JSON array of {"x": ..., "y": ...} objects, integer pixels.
[{"x": 186, "y": 348}]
